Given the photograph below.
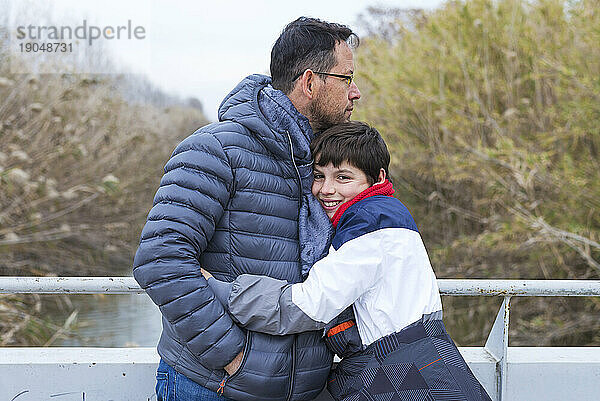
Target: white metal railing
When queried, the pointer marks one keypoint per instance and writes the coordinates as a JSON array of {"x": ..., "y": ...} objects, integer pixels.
[
  {"x": 496, "y": 344},
  {"x": 128, "y": 285}
]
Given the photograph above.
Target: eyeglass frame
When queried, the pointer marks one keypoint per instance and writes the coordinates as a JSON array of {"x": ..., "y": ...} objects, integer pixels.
[{"x": 348, "y": 78}]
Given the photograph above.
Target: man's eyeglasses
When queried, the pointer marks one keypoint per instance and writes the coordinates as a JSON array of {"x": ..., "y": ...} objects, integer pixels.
[{"x": 347, "y": 78}]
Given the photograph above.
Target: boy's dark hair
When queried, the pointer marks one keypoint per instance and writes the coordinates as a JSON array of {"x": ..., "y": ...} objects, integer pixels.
[
  {"x": 306, "y": 43},
  {"x": 356, "y": 143}
]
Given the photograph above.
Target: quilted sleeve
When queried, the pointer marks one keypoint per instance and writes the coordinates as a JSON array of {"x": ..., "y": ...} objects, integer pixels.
[{"x": 192, "y": 196}]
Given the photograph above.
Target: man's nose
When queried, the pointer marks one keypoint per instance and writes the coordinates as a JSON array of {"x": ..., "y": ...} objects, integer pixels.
[{"x": 353, "y": 93}]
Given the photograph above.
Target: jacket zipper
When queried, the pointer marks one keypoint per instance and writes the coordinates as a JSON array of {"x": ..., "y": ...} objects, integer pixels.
[
  {"x": 299, "y": 186},
  {"x": 296, "y": 169},
  {"x": 222, "y": 385},
  {"x": 291, "y": 391},
  {"x": 247, "y": 346},
  {"x": 292, "y": 378}
]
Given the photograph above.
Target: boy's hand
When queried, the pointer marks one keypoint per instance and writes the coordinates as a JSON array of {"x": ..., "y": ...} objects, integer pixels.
[{"x": 206, "y": 274}]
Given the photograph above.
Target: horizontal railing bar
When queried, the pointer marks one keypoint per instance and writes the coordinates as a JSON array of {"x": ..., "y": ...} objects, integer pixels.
[
  {"x": 537, "y": 288},
  {"x": 467, "y": 287},
  {"x": 69, "y": 285}
]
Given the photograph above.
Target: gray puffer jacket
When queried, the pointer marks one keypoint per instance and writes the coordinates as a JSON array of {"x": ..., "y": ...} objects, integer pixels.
[{"x": 229, "y": 202}]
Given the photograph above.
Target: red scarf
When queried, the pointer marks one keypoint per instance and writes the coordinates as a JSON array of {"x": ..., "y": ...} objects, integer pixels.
[{"x": 385, "y": 188}]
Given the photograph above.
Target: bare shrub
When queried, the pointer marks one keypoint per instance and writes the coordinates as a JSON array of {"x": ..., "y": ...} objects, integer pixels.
[{"x": 78, "y": 169}]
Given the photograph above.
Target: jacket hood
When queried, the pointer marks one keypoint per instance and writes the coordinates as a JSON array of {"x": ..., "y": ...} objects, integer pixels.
[{"x": 270, "y": 115}]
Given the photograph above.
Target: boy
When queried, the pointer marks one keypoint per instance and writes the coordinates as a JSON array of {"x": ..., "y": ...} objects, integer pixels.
[{"x": 397, "y": 347}]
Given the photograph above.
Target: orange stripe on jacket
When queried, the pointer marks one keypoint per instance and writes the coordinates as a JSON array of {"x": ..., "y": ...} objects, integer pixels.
[{"x": 340, "y": 327}]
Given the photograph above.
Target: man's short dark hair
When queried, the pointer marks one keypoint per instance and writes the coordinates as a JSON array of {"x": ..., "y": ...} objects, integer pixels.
[
  {"x": 306, "y": 43},
  {"x": 356, "y": 143}
]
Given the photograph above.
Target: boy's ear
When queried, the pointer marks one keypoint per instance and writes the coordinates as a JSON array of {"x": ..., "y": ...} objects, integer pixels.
[{"x": 381, "y": 177}]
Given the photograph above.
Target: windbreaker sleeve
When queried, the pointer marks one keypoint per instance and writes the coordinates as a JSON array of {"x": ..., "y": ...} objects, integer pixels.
[
  {"x": 272, "y": 306},
  {"x": 193, "y": 193}
]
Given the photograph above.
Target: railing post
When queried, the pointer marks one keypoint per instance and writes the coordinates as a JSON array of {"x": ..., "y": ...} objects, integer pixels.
[{"x": 497, "y": 346}]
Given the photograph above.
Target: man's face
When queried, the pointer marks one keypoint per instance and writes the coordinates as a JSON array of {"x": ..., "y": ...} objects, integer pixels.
[{"x": 334, "y": 102}]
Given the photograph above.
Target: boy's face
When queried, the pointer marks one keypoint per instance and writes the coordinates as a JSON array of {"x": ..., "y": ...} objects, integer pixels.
[{"x": 333, "y": 186}]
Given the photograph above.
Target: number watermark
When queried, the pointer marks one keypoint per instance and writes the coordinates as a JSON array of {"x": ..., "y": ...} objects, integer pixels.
[{"x": 52, "y": 47}]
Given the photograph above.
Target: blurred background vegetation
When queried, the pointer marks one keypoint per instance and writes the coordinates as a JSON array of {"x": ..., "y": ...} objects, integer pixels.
[
  {"x": 491, "y": 110},
  {"x": 80, "y": 159}
]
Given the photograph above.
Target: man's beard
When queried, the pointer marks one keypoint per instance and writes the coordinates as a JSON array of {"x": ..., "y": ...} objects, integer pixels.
[{"x": 321, "y": 119}]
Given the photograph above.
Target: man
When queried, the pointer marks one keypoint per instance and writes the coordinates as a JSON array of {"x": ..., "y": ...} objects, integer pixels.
[{"x": 235, "y": 198}]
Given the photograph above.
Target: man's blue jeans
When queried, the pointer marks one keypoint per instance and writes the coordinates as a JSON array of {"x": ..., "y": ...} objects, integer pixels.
[{"x": 173, "y": 386}]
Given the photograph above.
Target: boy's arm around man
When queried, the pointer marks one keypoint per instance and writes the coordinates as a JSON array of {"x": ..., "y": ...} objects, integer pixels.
[{"x": 352, "y": 267}]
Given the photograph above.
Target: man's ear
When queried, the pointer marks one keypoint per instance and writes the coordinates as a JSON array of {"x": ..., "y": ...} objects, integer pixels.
[
  {"x": 381, "y": 177},
  {"x": 307, "y": 80}
]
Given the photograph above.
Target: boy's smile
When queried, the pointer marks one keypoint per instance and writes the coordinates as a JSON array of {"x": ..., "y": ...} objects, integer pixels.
[{"x": 334, "y": 186}]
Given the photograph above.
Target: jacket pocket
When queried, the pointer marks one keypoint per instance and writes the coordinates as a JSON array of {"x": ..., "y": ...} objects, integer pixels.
[
  {"x": 247, "y": 348},
  {"x": 162, "y": 386},
  {"x": 265, "y": 369}
]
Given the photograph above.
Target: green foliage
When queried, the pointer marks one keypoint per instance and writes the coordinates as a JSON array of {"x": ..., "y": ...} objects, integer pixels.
[{"x": 491, "y": 110}]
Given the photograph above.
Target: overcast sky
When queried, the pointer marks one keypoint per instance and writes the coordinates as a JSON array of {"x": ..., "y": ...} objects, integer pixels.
[{"x": 201, "y": 48}]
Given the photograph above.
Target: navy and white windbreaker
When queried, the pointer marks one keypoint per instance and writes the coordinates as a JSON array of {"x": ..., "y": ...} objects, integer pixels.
[{"x": 229, "y": 202}]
